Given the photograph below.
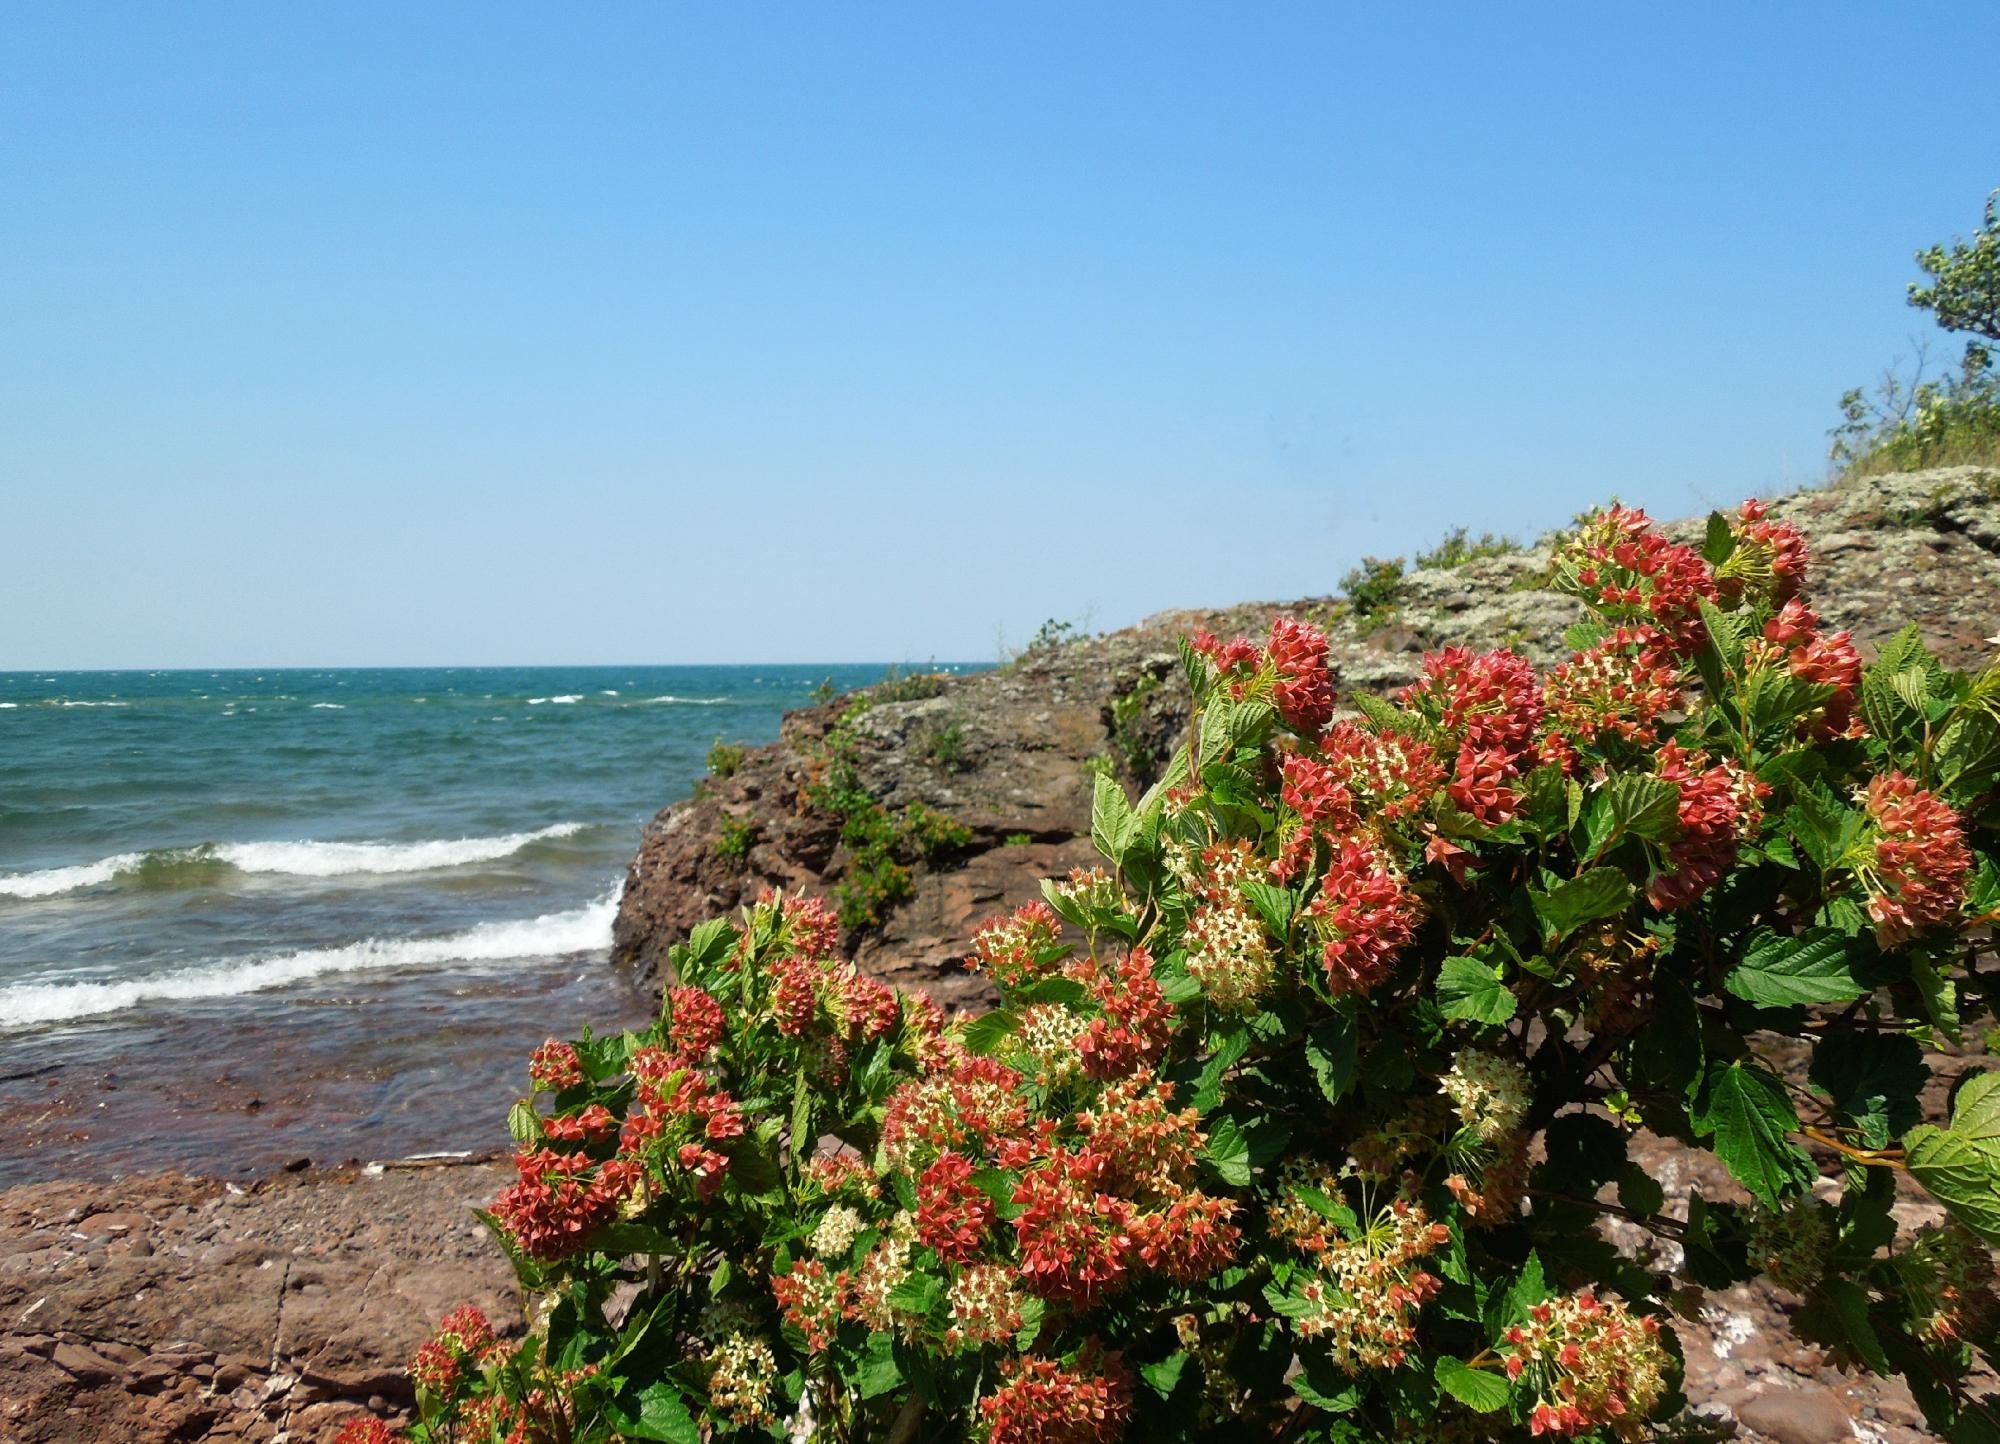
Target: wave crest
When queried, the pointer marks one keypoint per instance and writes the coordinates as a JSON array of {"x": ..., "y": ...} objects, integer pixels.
[
  {"x": 581, "y": 930},
  {"x": 296, "y": 859}
]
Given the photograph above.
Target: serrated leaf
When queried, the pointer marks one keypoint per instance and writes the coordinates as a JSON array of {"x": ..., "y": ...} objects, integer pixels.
[
  {"x": 656, "y": 1413},
  {"x": 1960, "y": 1165},
  {"x": 1816, "y": 966},
  {"x": 918, "y": 1293},
  {"x": 1718, "y": 541},
  {"x": 524, "y": 1124},
  {"x": 1469, "y": 990},
  {"x": 1274, "y": 905},
  {"x": 1228, "y": 1152},
  {"x": 1747, "y": 1112},
  {"x": 1474, "y": 1388},
  {"x": 879, "y": 1371},
  {"x": 1968, "y": 755},
  {"x": 1111, "y": 818},
  {"x": 1164, "y": 1375},
  {"x": 1632, "y": 804},
  {"x": 1601, "y": 892},
  {"x": 1875, "y": 1081},
  {"x": 1330, "y": 1053},
  {"x": 989, "y": 1030}
]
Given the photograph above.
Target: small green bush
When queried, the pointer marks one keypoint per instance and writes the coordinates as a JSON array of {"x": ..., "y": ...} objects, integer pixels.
[
  {"x": 725, "y": 757},
  {"x": 943, "y": 746},
  {"x": 1374, "y": 590},
  {"x": 1457, "y": 547},
  {"x": 735, "y": 839}
]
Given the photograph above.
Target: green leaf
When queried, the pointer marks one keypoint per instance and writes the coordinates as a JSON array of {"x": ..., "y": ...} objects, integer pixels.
[
  {"x": 1632, "y": 804},
  {"x": 879, "y": 1372},
  {"x": 710, "y": 942},
  {"x": 989, "y": 1030},
  {"x": 1777, "y": 701},
  {"x": 1528, "y": 1289},
  {"x": 1968, "y": 755},
  {"x": 1164, "y": 1375},
  {"x": 1111, "y": 818},
  {"x": 656, "y": 1413},
  {"x": 1228, "y": 1152},
  {"x": 1273, "y": 904},
  {"x": 1470, "y": 990},
  {"x": 1816, "y": 966},
  {"x": 1600, "y": 893},
  {"x": 918, "y": 1293},
  {"x": 1719, "y": 541},
  {"x": 1226, "y": 1045},
  {"x": 1875, "y": 1081},
  {"x": 1388, "y": 716},
  {"x": 1938, "y": 991},
  {"x": 1324, "y": 1387},
  {"x": 1330, "y": 1052},
  {"x": 1474, "y": 1388},
  {"x": 1751, "y": 1119},
  {"x": 1960, "y": 1165},
  {"x": 524, "y": 1124},
  {"x": 1848, "y": 1302}
]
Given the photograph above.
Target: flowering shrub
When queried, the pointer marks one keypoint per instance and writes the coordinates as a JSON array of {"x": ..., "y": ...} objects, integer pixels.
[{"x": 1298, "y": 1119}]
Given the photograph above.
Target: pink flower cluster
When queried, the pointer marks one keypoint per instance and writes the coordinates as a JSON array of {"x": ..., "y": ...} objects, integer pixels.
[
  {"x": 1627, "y": 570},
  {"x": 1365, "y": 915},
  {"x": 1292, "y": 668},
  {"x": 1593, "y": 1364}
]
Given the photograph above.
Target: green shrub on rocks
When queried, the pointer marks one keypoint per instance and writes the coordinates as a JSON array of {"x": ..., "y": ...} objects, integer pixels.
[{"x": 1300, "y": 1118}]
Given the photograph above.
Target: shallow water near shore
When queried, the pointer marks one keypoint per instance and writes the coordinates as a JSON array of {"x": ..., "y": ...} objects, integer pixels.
[{"x": 252, "y": 917}]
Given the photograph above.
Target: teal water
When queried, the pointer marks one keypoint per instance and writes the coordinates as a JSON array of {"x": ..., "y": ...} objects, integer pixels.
[{"x": 250, "y": 916}]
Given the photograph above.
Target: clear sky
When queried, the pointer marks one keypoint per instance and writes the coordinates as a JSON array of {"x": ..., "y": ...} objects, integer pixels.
[{"x": 507, "y": 333}]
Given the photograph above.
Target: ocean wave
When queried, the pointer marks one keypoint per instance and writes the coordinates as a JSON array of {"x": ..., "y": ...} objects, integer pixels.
[
  {"x": 565, "y": 701},
  {"x": 50, "y": 882},
  {"x": 585, "y": 929},
  {"x": 297, "y": 859},
  {"x": 329, "y": 706},
  {"x": 685, "y": 701}
]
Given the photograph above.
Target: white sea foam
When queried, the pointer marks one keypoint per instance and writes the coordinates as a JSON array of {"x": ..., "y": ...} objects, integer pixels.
[
  {"x": 329, "y": 706},
  {"x": 687, "y": 701},
  {"x": 66, "y": 702},
  {"x": 564, "y": 701},
  {"x": 50, "y": 882},
  {"x": 585, "y": 929},
  {"x": 338, "y": 859},
  {"x": 8, "y": 706},
  {"x": 298, "y": 859}
]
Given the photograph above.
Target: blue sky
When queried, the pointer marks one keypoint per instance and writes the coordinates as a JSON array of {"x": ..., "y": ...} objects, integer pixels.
[{"x": 509, "y": 333}]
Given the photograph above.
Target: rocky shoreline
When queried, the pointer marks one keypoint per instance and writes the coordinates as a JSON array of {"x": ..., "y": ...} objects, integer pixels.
[{"x": 170, "y": 1308}]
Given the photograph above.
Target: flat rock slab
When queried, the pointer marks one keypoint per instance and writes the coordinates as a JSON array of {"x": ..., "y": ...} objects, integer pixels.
[{"x": 177, "y": 1309}]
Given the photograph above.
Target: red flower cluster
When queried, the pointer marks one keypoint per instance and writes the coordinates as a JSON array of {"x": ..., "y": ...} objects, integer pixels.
[
  {"x": 1314, "y": 790},
  {"x": 554, "y": 1066},
  {"x": 1394, "y": 774},
  {"x": 813, "y": 1300},
  {"x": 561, "y": 1199},
  {"x": 1719, "y": 806},
  {"x": 1624, "y": 568},
  {"x": 465, "y": 1336},
  {"x": 695, "y": 1021},
  {"x": 366, "y": 1429},
  {"x": 1132, "y": 1030},
  {"x": 953, "y": 1212},
  {"x": 1075, "y": 1239},
  {"x": 1292, "y": 663},
  {"x": 1780, "y": 541},
  {"x": 1039, "y": 1401},
  {"x": 1613, "y": 691},
  {"x": 1491, "y": 704},
  {"x": 1302, "y": 686},
  {"x": 964, "y": 1103},
  {"x": 808, "y": 927},
  {"x": 1594, "y": 1364},
  {"x": 1365, "y": 914},
  {"x": 1794, "y": 636},
  {"x": 1019, "y": 948},
  {"x": 1915, "y": 875}
]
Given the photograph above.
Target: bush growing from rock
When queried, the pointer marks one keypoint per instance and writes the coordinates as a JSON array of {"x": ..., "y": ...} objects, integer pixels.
[{"x": 1299, "y": 1116}]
